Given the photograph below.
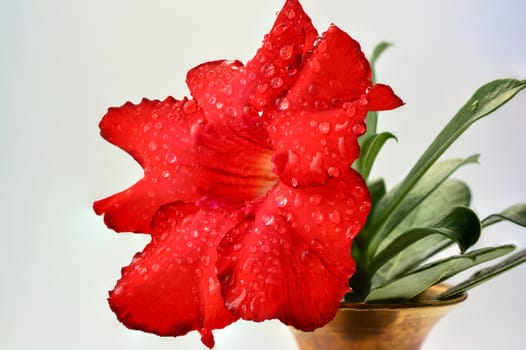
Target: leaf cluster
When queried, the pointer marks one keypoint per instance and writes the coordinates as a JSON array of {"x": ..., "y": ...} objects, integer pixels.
[{"x": 397, "y": 252}]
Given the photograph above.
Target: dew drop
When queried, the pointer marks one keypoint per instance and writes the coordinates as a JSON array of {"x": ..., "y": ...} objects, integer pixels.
[
  {"x": 314, "y": 65},
  {"x": 238, "y": 300},
  {"x": 322, "y": 46},
  {"x": 213, "y": 285},
  {"x": 171, "y": 157},
  {"x": 276, "y": 83},
  {"x": 358, "y": 129},
  {"x": 189, "y": 107},
  {"x": 334, "y": 217},
  {"x": 152, "y": 146},
  {"x": 304, "y": 255},
  {"x": 281, "y": 201},
  {"x": 227, "y": 90},
  {"x": 358, "y": 192},
  {"x": 363, "y": 101},
  {"x": 291, "y": 70},
  {"x": 324, "y": 127},
  {"x": 341, "y": 126},
  {"x": 268, "y": 70},
  {"x": 349, "y": 109},
  {"x": 364, "y": 207},
  {"x": 280, "y": 29},
  {"x": 267, "y": 219},
  {"x": 294, "y": 182},
  {"x": 237, "y": 247},
  {"x": 313, "y": 89},
  {"x": 315, "y": 243},
  {"x": 155, "y": 267},
  {"x": 166, "y": 174},
  {"x": 333, "y": 171},
  {"x": 315, "y": 199},
  {"x": 286, "y": 52},
  {"x": 284, "y": 104},
  {"x": 291, "y": 14},
  {"x": 261, "y": 88},
  {"x": 317, "y": 217}
]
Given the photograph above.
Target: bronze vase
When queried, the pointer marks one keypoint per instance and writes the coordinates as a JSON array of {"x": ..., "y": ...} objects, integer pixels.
[{"x": 400, "y": 326}]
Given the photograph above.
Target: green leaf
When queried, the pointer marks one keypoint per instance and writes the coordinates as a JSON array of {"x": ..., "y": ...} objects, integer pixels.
[
  {"x": 485, "y": 100},
  {"x": 413, "y": 283},
  {"x": 515, "y": 214},
  {"x": 369, "y": 151},
  {"x": 450, "y": 194},
  {"x": 486, "y": 274},
  {"x": 461, "y": 226},
  {"x": 420, "y": 191}
]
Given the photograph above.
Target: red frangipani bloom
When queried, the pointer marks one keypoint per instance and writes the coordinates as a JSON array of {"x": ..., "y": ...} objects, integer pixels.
[{"x": 247, "y": 191}]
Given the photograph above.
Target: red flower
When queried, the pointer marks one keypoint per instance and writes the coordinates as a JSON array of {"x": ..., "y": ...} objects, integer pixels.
[{"x": 247, "y": 192}]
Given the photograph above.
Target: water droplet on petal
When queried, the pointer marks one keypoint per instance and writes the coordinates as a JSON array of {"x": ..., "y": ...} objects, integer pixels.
[
  {"x": 364, "y": 207},
  {"x": 261, "y": 88},
  {"x": 286, "y": 52},
  {"x": 189, "y": 107},
  {"x": 324, "y": 127},
  {"x": 349, "y": 109},
  {"x": 284, "y": 104},
  {"x": 363, "y": 101},
  {"x": 237, "y": 247},
  {"x": 322, "y": 46},
  {"x": 234, "y": 304},
  {"x": 313, "y": 89},
  {"x": 358, "y": 192},
  {"x": 281, "y": 201},
  {"x": 334, "y": 217},
  {"x": 315, "y": 199},
  {"x": 213, "y": 285},
  {"x": 291, "y": 70},
  {"x": 358, "y": 129},
  {"x": 152, "y": 146},
  {"x": 314, "y": 65},
  {"x": 315, "y": 243},
  {"x": 280, "y": 29},
  {"x": 267, "y": 219},
  {"x": 317, "y": 217},
  {"x": 290, "y": 14},
  {"x": 304, "y": 255},
  {"x": 276, "y": 83},
  {"x": 268, "y": 70},
  {"x": 333, "y": 171},
  {"x": 294, "y": 182},
  {"x": 227, "y": 90}
]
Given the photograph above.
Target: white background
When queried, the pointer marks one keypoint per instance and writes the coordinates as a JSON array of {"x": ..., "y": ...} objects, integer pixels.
[{"x": 63, "y": 62}]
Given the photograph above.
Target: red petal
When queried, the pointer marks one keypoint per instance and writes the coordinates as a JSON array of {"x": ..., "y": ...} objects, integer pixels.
[
  {"x": 183, "y": 157},
  {"x": 274, "y": 68},
  {"x": 156, "y": 134},
  {"x": 171, "y": 287},
  {"x": 337, "y": 71},
  {"x": 293, "y": 262},
  {"x": 311, "y": 147},
  {"x": 381, "y": 98}
]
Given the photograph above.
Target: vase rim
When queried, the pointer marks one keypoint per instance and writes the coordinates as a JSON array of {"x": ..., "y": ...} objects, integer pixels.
[{"x": 427, "y": 299}]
